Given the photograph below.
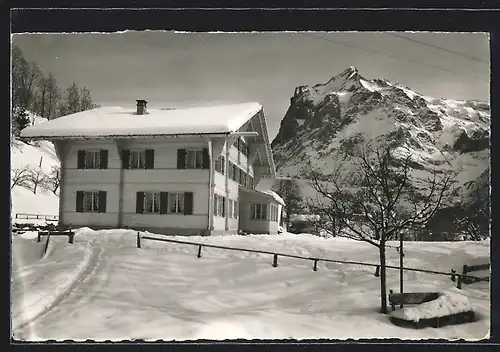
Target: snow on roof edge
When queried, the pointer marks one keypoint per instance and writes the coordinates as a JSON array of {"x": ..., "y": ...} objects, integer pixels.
[
  {"x": 273, "y": 194},
  {"x": 117, "y": 121}
]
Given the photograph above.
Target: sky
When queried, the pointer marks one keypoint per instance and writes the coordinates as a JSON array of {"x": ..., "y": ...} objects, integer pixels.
[{"x": 181, "y": 69}]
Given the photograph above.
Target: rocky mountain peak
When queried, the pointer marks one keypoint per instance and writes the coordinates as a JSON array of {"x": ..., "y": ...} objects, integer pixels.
[{"x": 326, "y": 121}]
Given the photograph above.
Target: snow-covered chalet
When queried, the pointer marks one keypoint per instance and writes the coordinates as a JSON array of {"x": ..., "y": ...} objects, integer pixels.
[{"x": 172, "y": 171}]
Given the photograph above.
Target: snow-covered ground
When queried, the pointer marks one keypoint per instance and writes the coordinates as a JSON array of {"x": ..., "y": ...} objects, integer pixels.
[
  {"x": 23, "y": 199},
  {"x": 104, "y": 288}
]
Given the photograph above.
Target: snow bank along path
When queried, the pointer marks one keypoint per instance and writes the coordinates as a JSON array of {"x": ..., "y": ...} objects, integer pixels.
[
  {"x": 163, "y": 291},
  {"x": 60, "y": 270}
]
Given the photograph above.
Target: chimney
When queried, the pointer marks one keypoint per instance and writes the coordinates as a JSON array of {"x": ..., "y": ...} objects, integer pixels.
[{"x": 141, "y": 107}]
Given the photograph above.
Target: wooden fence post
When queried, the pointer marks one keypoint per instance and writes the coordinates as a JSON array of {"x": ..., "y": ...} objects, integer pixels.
[
  {"x": 46, "y": 245},
  {"x": 275, "y": 260},
  {"x": 138, "y": 239},
  {"x": 461, "y": 278},
  {"x": 453, "y": 276},
  {"x": 377, "y": 271},
  {"x": 199, "y": 251},
  {"x": 38, "y": 238},
  {"x": 315, "y": 265},
  {"x": 71, "y": 237}
]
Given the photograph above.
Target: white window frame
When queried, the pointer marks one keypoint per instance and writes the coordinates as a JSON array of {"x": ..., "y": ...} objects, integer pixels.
[
  {"x": 137, "y": 159},
  {"x": 93, "y": 159},
  {"x": 154, "y": 199},
  {"x": 274, "y": 212},
  {"x": 194, "y": 159},
  {"x": 236, "y": 211},
  {"x": 258, "y": 211},
  {"x": 176, "y": 202},
  {"x": 91, "y": 201},
  {"x": 230, "y": 208},
  {"x": 219, "y": 205},
  {"x": 220, "y": 164}
]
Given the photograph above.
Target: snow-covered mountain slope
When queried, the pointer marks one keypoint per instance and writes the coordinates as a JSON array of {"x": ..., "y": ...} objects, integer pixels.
[
  {"x": 325, "y": 123},
  {"x": 34, "y": 155}
]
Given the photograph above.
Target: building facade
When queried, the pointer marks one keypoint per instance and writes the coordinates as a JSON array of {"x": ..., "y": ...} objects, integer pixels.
[{"x": 168, "y": 181}]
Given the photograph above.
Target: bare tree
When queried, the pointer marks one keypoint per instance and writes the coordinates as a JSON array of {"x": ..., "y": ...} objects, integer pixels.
[
  {"x": 54, "y": 179},
  {"x": 37, "y": 177},
  {"x": 474, "y": 214},
  {"x": 85, "y": 99},
  {"x": 53, "y": 97},
  {"x": 41, "y": 98},
  {"x": 72, "y": 99},
  {"x": 20, "y": 176},
  {"x": 382, "y": 204}
]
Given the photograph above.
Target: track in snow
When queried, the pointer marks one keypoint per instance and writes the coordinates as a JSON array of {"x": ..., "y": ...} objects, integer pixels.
[{"x": 87, "y": 270}]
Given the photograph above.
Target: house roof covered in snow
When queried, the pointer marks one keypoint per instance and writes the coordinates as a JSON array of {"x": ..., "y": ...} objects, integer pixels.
[
  {"x": 272, "y": 194},
  {"x": 267, "y": 193},
  {"x": 118, "y": 121}
]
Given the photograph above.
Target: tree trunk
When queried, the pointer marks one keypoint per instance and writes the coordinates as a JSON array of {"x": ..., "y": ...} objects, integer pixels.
[{"x": 383, "y": 291}]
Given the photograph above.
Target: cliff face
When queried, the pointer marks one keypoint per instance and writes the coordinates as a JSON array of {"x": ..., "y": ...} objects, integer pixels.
[{"x": 325, "y": 123}]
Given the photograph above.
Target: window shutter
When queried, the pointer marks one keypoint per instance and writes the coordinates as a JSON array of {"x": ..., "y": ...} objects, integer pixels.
[
  {"x": 252, "y": 211},
  {"x": 206, "y": 159},
  {"x": 150, "y": 158},
  {"x": 236, "y": 174},
  {"x": 102, "y": 201},
  {"x": 264, "y": 210},
  {"x": 81, "y": 159},
  {"x": 181, "y": 158},
  {"x": 188, "y": 203},
  {"x": 139, "y": 204},
  {"x": 79, "y": 201},
  {"x": 125, "y": 158},
  {"x": 103, "y": 159},
  {"x": 163, "y": 202}
]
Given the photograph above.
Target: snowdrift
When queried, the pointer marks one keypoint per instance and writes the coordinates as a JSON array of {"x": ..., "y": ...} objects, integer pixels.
[{"x": 104, "y": 288}]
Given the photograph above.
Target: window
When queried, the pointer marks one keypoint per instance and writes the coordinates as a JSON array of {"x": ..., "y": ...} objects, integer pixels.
[
  {"x": 219, "y": 205},
  {"x": 152, "y": 203},
  {"x": 194, "y": 159},
  {"x": 137, "y": 159},
  {"x": 250, "y": 181},
  {"x": 244, "y": 148},
  {"x": 91, "y": 202},
  {"x": 274, "y": 212},
  {"x": 220, "y": 164},
  {"x": 258, "y": 211},
  {"x": 176, "y": 203},
  {"x": 236, "y": 173},
  {"x": 92, "y": 159},
  {"x": 230, "y": 208},
  {"x": 236, "y": 210},
  {"x": 243, "y": 177}
]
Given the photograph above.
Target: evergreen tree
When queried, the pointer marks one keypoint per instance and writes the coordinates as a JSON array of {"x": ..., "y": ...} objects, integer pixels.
[{"x": 289, "y": 190}]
